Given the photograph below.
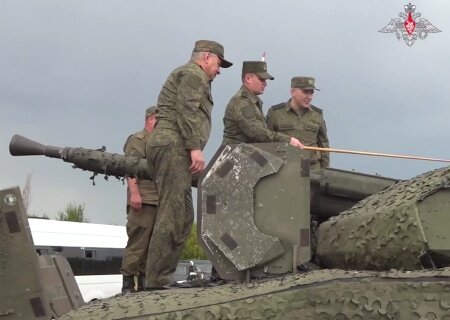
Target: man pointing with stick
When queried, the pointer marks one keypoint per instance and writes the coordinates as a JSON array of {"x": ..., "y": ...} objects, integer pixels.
[
  {"x": 300, "y": 119},
  {"x": 244, "y": 118}
]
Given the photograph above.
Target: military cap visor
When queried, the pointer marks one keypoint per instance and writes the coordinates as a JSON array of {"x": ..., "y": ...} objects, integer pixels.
[
  {"x": 223, "y": 62},
  {"x": 265, "y": 75},
  {"x": 307, "y": 88},
  {"x": 256, "y": 67},
  {"x": 215, "y": 48}
]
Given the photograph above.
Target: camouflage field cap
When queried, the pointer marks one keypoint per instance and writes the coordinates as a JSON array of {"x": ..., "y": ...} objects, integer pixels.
[
  {"x": 213, "y": 47},
  {"x": 150, "y": 111},
  {"x": 303, "y": 83},
  {"x": 257, "y": 67}
]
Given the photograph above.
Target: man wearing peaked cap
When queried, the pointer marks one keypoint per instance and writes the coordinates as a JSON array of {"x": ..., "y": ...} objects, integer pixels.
[
  {"x": 244, "y": 118},
  {"x": 214, "y": 48},
  {"x": 305, "y": 83},
  {"x": 299, "y": 118},
  {"x": 256, "y": 67},
  {"x": 142, "y": 201},
  {"x": 174, "y": 154}
]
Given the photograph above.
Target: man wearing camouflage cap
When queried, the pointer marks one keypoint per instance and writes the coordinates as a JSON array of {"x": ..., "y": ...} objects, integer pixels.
[
  {"x": 174, "y": 153},
  {"x": 244, "y": 119},
  {"x": 142, "y": 201},
  {"x": 299, "y": 118}
]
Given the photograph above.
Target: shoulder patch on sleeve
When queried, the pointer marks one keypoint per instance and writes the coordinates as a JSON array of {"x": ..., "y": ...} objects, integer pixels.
[{"x": 316, "y": 109}]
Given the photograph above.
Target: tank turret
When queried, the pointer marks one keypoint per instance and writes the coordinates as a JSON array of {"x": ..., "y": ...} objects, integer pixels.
[
  {"x": 403, "y": 227},
  {"x": 255, "y": 204},
  {"x": 32, "y": 287}
]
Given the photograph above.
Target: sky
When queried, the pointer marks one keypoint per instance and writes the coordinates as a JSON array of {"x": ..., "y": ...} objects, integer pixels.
[{"x": 81, "y": 74}]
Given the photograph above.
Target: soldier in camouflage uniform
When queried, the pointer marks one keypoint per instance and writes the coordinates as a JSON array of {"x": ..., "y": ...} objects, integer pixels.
[
  {"x": 142, "y": 201},
  {"x": 174, "y": 153},
  {"x": 244, "y": 119},
  {"x": 299, "y": 118}
]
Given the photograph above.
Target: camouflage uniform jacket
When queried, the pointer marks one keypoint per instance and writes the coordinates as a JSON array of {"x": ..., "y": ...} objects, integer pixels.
[
  {"x": 308, "y": 126},
  {"x": 136, "y": 146},
  {"x": 244, "y": 121},
  {"x": 185, "y": 104}
]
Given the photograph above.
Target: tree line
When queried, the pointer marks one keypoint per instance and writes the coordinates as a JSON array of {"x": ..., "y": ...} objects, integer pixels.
[{"x": 75, "y": 212}]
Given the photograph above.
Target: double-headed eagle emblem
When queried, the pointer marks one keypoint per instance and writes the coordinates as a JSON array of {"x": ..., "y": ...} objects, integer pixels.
[{"x": 410, "y": 26}]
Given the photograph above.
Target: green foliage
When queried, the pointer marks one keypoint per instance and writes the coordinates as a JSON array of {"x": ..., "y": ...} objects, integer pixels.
[
  {"x": 192, "y": 249},
  {"x": 73, "y": 212},
  {"x": 35, "y": 216}
]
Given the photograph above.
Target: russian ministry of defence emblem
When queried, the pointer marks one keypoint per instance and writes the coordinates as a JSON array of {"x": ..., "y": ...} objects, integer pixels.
[{"x": 410, "y": 26}]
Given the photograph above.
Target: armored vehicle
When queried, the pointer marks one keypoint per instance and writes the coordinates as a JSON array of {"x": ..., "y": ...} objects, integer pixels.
[
  {"x": 293, "y": 243},
  {"x": 32, "y": 286}
]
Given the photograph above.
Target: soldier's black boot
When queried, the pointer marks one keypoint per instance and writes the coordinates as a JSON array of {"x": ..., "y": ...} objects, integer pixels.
[
  {"x": 128, "y": 284},
  {"x": 141, "y": 282}
]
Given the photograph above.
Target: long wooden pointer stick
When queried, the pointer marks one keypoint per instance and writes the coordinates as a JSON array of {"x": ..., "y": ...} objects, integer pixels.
[{"x": 375, "y": 154}]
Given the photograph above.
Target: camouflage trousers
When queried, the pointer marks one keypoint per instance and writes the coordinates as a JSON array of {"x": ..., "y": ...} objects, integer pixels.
[
  {"x": 170, "y": 163},
  {"x": 139, "y": 230}
]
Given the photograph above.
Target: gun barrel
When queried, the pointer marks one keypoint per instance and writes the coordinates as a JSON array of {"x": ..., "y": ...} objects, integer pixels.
[
  {"x": 21, "y": 146},
  {"x": 334, "y": 190},
  {"x": 86, "y": 159}
]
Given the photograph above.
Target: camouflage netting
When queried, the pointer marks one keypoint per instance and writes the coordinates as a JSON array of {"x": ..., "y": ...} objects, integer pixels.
[
  {"x": 322, "y": 294},
  {"x": 392, "y": 228}
]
